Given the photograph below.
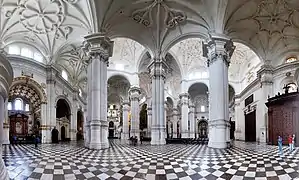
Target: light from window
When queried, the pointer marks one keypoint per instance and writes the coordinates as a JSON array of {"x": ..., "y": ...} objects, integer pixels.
[
  {"x": 291, "y": 59},
  {"x": 80, "y": 92},
  {"x": 64, "y": 75},
  {"x": 26, "y": 53},
  {"x": 14, "y": 50},
  {"x": 202, "y": 108},
  {"x": 292, "y": 87},
  {"x": 26, "y": 107},
  {"x": 38, "y": 57},
  {"x": 205, "y": 75},
  {"x": 18, "y": 104},
  {"x": 9, "y": 106}
]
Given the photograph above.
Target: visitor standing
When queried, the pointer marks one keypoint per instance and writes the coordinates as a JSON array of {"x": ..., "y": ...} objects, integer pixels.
[
  {"x": 290, "y": 141},
  {"x": 293, "y": 142},
  {"x": 280, "y": 145}
]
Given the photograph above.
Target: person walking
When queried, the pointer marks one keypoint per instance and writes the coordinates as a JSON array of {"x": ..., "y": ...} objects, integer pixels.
[
  {"x": 290, "y": 141},
  {"x": 280, "y": 145}
]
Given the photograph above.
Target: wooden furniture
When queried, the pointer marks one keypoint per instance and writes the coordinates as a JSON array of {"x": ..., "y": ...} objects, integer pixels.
[
  {"x": 283, "y": 117},
  {"x": 18, "y": 125}
]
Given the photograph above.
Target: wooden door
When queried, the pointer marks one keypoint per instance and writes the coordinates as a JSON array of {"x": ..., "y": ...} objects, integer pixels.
[{"x": 250, "y": 127}]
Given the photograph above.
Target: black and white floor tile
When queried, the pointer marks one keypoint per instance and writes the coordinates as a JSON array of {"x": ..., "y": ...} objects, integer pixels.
[{"x": 121, "y": 161}]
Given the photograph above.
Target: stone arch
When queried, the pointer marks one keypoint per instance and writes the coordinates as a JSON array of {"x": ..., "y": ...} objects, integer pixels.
[
  {"x": 63, "y": 97},
  {"x": 29, "y": 89},
  {"x": 116, "y": 73}
]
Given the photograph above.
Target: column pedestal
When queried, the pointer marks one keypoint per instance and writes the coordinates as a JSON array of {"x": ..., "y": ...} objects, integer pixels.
[
  {"x": 149, "y": 121},
  {"x": 5, "y": 134}
]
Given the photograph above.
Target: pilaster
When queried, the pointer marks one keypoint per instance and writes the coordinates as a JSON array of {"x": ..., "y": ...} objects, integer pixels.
[
  {"x": 149, "y": 120},
  {"x": 218, "y": 53},
  {"x": 74, "y": 115},
  {"x": 192, "y": 120},
  {"x": 175, "y": 123}
]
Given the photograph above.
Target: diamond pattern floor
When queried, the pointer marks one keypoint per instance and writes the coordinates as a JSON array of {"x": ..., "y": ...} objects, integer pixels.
[{"x": 121, "y": 161}]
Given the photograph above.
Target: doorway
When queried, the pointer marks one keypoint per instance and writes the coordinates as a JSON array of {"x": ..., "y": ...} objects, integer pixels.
[
  {"x": 111, "y": 129},
  {"x": 62, "y": 133},
  {"x": 250, "y": 127}
]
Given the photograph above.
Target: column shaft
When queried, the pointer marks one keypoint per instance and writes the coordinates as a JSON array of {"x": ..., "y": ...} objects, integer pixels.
[
  {"x": 3, "y": 172},
  {"x": 192, "y": 121},
  {"x": 125, "y": 130},
  {"x": 135, "y": 110},
  {"x": 218, "y": 52},
  {"x": 6, "y": 124},
  {"x": 157, "y": 70},
  {"x": 149, "y": 121},
  {"x": 184, "y": 122},
  {"x": 175, "y": 123}
]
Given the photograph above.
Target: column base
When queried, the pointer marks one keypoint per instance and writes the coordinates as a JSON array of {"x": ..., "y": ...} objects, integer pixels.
[
  {"x": 98, "y": 146},
  {"x": 3, "y": 170},
  {"x": 218, "y": 145},
  {"x": 46, "y": 136},
  {"x": 6, "y": 134},
  {"x": 125, "y": 136},
  {"x": 158, "y": 138},
  {"x": 175, "y": 135},
  {"x": 185, "y": 135},
  {"x": 192, "y": 135},
  {"x": 73, "y": 135}
]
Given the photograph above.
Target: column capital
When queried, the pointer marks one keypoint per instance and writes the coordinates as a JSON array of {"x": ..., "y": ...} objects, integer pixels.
[
  {"x": 265, "y": 74},
  {"x": 158, "y": 68},
  {"x": 98, "y": 47},
  {"x": 218, "y": 48},
  {"x": 135, "y": 93}
]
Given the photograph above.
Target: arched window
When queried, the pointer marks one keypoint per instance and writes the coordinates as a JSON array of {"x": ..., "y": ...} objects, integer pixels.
[
  {"x": 26, "y": 53},
  {"x": 293, "y": 87},
  {"x": 14, "y": 50},
  {"x": 38, "y": 57},
  {"x": 64, "y": 75},
  {"x": 18, "y": 104},
  {"x": 291, "y": 59},
  {"x": 202, "y": 108},
  {"x": 9, "y": 106}
]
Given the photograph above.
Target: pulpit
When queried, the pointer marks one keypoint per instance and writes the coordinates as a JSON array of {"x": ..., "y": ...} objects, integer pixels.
[{"x": 283, "y": 117}]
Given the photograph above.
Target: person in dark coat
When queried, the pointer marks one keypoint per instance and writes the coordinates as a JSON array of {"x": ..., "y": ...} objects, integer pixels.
[{"x": 55, "y": 135}]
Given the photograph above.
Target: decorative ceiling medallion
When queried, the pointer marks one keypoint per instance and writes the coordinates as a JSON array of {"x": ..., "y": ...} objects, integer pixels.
[
  {"x": 41, "y": 17},
  {"x": 144, "y": 16},
  {"x": 273, "y": 16}
]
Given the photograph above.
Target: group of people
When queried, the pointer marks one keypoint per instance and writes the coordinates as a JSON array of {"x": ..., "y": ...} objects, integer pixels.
[{"x": 291, "y": 142}]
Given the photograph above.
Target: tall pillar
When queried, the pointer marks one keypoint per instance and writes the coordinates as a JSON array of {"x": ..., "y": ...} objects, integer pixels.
[
  {"x": 184, "y": 122},
  {"x": 74, "y": 116},
  {"x": 175, "y": 123},
  {"x": 218, "y": 51},
  {"x": 6, "y": 77},
  {"x": 157, "y": 70},
  {"x": 88, "y": 107},
  {"x": 6, "y": 124},
  {"x": 135, "y": 110},
  {"x": 48, "y": 109},
  {"x": 99, "y": 50},
  {"x": 192, "y": 120},
  {"x": 125, "y": 131},
  {"x": 84, "y": 124},
  {"x": 149, "y": 120},
  {"x": 265, "y": 75}
]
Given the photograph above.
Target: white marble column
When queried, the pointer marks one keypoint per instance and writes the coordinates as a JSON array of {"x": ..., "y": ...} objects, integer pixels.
[
  {"x": 84, "y": 124},
  {"x": 157, "y": 70},
  {"x": 99, "y": 49},
  {"x": 88, "y": 107},
  {"x": 192, "y": 120},
  {"x": 266, "y": 78},
  {"x": 49, "y": 111},
  {"x": 175, "y": 122},
  {"x": 3, "y": 172},
  {"x": 218, "y": 51},
  {"x": 6, "y": 77},
  {"x": 184, "y": 122},
  {"x": 125, "y": 130},
  {"x": 135, "y": 110},
  {"x": 149, "y": 121},
  {"x": 6, "y": 125},
  {"x": 74, "y": 116}
]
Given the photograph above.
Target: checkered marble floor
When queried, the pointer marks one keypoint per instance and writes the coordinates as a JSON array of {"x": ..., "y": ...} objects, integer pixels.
[{"x": 121, "y": 161}]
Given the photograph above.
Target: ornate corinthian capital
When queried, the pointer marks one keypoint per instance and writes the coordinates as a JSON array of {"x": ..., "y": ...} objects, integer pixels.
[
  {"x": 218, "y": 49},
  {"x": 98, "y": 46}
]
